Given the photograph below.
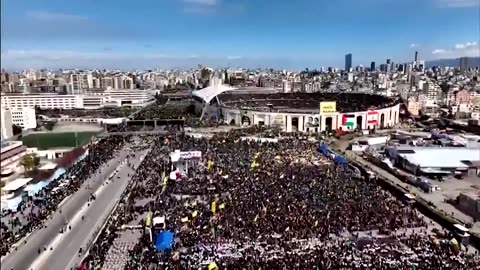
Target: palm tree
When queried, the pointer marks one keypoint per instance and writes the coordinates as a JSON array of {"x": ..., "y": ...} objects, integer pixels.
[{"x": 27, "y": 162}]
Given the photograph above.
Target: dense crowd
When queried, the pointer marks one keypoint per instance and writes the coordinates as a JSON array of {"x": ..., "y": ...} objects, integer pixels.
[
  {"x": 276, "y": 205},
  {"x": 345, "y": 102},
  {"x": 174, "y": 111},
  {"x": 33, "y": 210}
]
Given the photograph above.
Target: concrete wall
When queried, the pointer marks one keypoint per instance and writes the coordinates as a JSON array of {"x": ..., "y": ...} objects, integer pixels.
[{"x": 469, "y": 205}]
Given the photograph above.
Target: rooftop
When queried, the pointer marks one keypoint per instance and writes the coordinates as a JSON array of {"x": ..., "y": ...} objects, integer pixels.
[
  {"x": 440, "y": 157},
  {"x": 48, "y": 166},
  {"x": 16, "y": 184}
]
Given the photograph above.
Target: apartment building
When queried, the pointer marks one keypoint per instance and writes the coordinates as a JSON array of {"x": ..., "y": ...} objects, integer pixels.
[
  {"x": 6, "y": 124},
  {"x": 80, "y": 82},
  {"x": 24, "y": 117},
  {"x": 117, "y": 82}
]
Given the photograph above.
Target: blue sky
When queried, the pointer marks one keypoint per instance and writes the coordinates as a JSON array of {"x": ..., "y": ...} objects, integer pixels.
[{"x": 251, "y": 33}]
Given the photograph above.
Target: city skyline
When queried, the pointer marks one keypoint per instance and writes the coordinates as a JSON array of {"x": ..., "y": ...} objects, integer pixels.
[{"x": 184, "y": 33}]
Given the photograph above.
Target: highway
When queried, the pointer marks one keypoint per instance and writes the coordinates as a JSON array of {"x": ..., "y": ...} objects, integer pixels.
[{"x": 62, "y": 249}]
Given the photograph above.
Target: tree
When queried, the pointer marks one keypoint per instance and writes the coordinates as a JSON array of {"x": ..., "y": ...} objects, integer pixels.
[
  {"x": 27, "y": 162},
  {"x": 49, "y": 125},
  {"x": 36, "y": 160},
  {"x": 16, "y": 130}
]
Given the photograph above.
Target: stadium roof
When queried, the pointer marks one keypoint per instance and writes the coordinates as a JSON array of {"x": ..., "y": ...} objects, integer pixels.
[
  {"x": 210, "y": 92},
  {"x": 14, "y": 185}
]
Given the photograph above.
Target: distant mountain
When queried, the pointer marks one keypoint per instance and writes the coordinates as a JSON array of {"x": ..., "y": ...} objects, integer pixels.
[{"x": 472, "y": 62}]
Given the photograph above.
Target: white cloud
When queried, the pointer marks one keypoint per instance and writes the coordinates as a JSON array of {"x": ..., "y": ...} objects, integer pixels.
[
  {"x": 439, "y": 51},
  {"x": 53, "y": 16},
  {"x": 234, "y": 57},
  {"x": 471, "y": 49},
  {"x": 413, "y": 45},
  {"x": 458, "y": 3},
  {"x": 202, "y": 2}
]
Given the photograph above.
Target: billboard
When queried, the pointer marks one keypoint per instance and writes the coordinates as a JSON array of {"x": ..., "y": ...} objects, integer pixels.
[{"x": 328, "y": 107}]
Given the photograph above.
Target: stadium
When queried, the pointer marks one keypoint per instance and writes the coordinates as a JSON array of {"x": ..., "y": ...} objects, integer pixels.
[{"x": 291, "y": 112}]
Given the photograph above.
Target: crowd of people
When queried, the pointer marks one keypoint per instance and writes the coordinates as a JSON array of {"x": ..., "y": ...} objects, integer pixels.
[
  {"x": 345, "y": 102},
  {"x": 247, "y": 204},
  {"x": 34, "y": 210},
  {"x": 174, "y": 110}
]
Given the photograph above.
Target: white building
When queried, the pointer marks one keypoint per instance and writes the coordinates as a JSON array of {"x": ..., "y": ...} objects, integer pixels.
[
  {"x": 6, "y": 124},
  {"x": 24, "y": 118},
  {"x": 122, "y": 82},
  {"x": 44, "y": 101},
  {"x": 87, "y": 101},
  {"x": 287, "y": 86}
]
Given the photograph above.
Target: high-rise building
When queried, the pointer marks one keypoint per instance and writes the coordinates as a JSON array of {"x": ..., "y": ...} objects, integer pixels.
[
  {"x": 388, "y": 65},
  {"x": 416, "y": 56},
  {"x": 80, "y": 82},
  {"x": 463, "y": 63},
  {"x": 348, "y": 62},
  {"x": 372, "y": 66},
  {"x": 383, "y": 67}
]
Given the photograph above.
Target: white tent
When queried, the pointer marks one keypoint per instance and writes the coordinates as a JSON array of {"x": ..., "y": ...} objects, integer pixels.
[
  {"x": 210, "y": 92},
  {"x": 159, "y": 222}
]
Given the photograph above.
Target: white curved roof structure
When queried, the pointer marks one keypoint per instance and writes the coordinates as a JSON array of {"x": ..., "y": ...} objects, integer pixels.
[{"x": 210, "y": 92}]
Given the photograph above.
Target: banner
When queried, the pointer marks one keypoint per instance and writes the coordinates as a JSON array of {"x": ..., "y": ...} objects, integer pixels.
[
  {"x": 278, "y": 120},
  {"x": 328, "y": 107},
  {"x": 191, "y": 154}
]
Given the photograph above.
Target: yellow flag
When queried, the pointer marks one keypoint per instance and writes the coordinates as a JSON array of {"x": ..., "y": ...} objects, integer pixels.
[
  {"x": 222, "y": 206},
  {"x": 212, "y": 266},
  {"x": 209, "y": 165},
  {"x": 195, "y": 213},
  {"x": 256, "y": 218},
  {"x": 214, "y": 207},
  {"x": 148, "y": 220},
  {"x": 165, "y": 179},
  {"x": 185, "y": 219}
]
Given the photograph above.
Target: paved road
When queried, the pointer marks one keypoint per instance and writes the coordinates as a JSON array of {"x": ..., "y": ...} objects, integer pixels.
[
  {"x": 27, "y": 253},
  {"x": 65, "y": 253}
]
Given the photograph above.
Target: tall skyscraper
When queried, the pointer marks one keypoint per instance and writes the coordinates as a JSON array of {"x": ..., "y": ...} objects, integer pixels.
[
  {"x": 372, "y": 66},
  {"x": 348, "y": 62},
  {"x": 416, "y": 56},
  {"x": 463, "y": 63},
  {"x": 388, "y": 66}
]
